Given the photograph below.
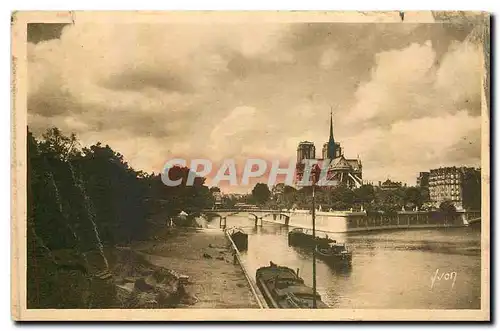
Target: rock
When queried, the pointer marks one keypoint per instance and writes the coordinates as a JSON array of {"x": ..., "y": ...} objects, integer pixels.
[
  {"x": 220, "y": 258},
  {"x": 147, "y": 300},
  {"x": 207, "y": 256},
  {"x": 146, "y": 272},
  {"x": 151, "y": 281},
  {"x": 210, "y": 245},
  {"x": 124, "y": 292},
  {"x": 103, "y": 275},
  {"x": 119, "y": 280},
  {"x": 183, "y": 279},
  {"x": 167, "y": 295},
  {"x": 141, "y": 285}
]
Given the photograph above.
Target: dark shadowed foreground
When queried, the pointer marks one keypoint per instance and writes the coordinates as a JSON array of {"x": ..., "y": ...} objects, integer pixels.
[{"x": 149, "y": 274}]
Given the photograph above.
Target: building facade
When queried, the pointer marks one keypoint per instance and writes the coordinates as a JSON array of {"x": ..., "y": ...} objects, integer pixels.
[
  {"x": 348, "y": 172},
  {"x": 389, "y": 185},
  {"x": 459, "y": 185},
  {"x": 305, "y": 150},
  {"x": 423, "y": 179}
]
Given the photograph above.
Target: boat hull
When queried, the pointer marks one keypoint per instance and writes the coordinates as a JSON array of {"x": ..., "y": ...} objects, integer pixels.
[
  {"x": 335, "y": 260},
  {"x": 302, "y": 239},
  {"x": 282, "y": 288}
]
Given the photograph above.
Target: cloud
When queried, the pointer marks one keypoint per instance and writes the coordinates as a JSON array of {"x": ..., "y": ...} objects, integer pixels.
[
  {"x": 156, "y": 91},
  {"x": 398, "y": 87},
  {"x": 401, "y": 149},
  {"x": 459, "y": 76},
  {"x": 413, "y": 111}
]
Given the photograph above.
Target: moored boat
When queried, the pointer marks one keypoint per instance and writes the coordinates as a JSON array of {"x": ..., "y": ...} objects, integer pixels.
[
  {"x": 283, "y": 288},
  {"x": 334, "y": 254},
  {"x": 303, "y": 237},
  {"x": 239, "y": 237}
]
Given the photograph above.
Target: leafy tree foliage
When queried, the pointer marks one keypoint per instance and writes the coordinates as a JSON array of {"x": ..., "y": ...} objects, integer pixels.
[
  {"x": 472, "y": 189},
  {"x": 413, "y": 196},
  {"x": 81, "y": 199},
  {"x": 364, "y": 194},
  {"x": 261, "y": 193}
]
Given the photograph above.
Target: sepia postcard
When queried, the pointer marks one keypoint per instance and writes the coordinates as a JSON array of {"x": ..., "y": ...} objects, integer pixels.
[{"x": 272, "y": 166}]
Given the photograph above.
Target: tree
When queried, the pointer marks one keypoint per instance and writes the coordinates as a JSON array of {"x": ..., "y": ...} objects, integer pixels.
[
  {"x": 448, "y": 210},
  {"x": 447, "y": 207},
  {"x": 414, "y": 196},
  {"x": 342, "y": 197},
  {"x": 471, "y": 189},
  {"x": 229, "y": 202},
  {"x": 261, "y": 193},
  {"x": 182, "y": 197},
  {"x": 364, "y": 194},
  {"x": 79, "y": 200},
  {"x": 214, "y": 189},
  {"x": 55, "y": 143}
]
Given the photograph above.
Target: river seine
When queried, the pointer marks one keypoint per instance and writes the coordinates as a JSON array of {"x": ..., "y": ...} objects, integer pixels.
[{"x": 408, "y": 269}]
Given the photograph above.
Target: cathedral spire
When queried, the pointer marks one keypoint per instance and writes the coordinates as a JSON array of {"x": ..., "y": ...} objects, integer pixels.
[
  {"x": 331, "y": 142},
  {"x": 331, "y": 125}
]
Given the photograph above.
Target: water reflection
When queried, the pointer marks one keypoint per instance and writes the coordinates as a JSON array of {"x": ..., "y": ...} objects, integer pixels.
[{"x": 390, "y": 269}]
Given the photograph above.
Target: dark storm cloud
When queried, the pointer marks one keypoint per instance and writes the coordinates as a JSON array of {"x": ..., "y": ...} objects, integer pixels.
[
  {"x": 160, "y": 125},
  {"x": 361, "y": 41},
  {"x": 38, "y": 32},
  {"x": 136, "y": 79},
  {"x": 53, "y": 102}
]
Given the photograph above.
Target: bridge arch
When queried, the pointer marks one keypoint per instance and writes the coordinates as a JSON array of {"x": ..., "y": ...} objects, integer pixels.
[
  {"x": 222, "y": 215},
  {"x": 257, "y": 215},
  {"x": 282, "y": 216}
]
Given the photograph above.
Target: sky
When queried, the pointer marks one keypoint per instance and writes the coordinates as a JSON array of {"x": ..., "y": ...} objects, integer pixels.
[{"x": 406, "y": 97}]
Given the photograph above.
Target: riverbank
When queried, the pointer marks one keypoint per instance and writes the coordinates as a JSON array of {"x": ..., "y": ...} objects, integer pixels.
[
  {"x": 177, "y": 268},
  {"x": 204, "y": 256}
]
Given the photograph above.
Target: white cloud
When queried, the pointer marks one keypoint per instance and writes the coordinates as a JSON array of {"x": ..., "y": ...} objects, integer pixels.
[
  {"x": 398, "y": 86},
  {"x": 407, "y": 147},
  {"x": 459, "y": 76}
]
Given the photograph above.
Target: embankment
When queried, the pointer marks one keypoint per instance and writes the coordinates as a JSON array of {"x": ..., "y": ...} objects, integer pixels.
[
  {"x": 204, "y": 255},
  {"x": 147, "y": 274}
]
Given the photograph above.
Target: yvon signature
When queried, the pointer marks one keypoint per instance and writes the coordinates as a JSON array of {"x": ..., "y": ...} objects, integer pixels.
[{"x": 449, "y": 277}]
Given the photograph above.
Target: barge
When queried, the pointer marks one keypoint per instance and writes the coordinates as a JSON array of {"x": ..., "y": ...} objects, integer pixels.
[
  {"x": 303, "y": 238},
  {"x": 239, "y": 237},
  {"x": 283, "y": 288},
  {"x": 327, "y": 249},
  {"x": 335, "y": 254}
]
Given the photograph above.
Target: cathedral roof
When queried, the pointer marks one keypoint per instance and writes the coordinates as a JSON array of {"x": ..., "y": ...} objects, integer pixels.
[
  {"x": 354, "y": 163},
  {"x": 342, "y": 163}
]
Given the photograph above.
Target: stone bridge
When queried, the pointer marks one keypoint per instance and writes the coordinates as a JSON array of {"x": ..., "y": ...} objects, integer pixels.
[{"x": 256, "y": 214}]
